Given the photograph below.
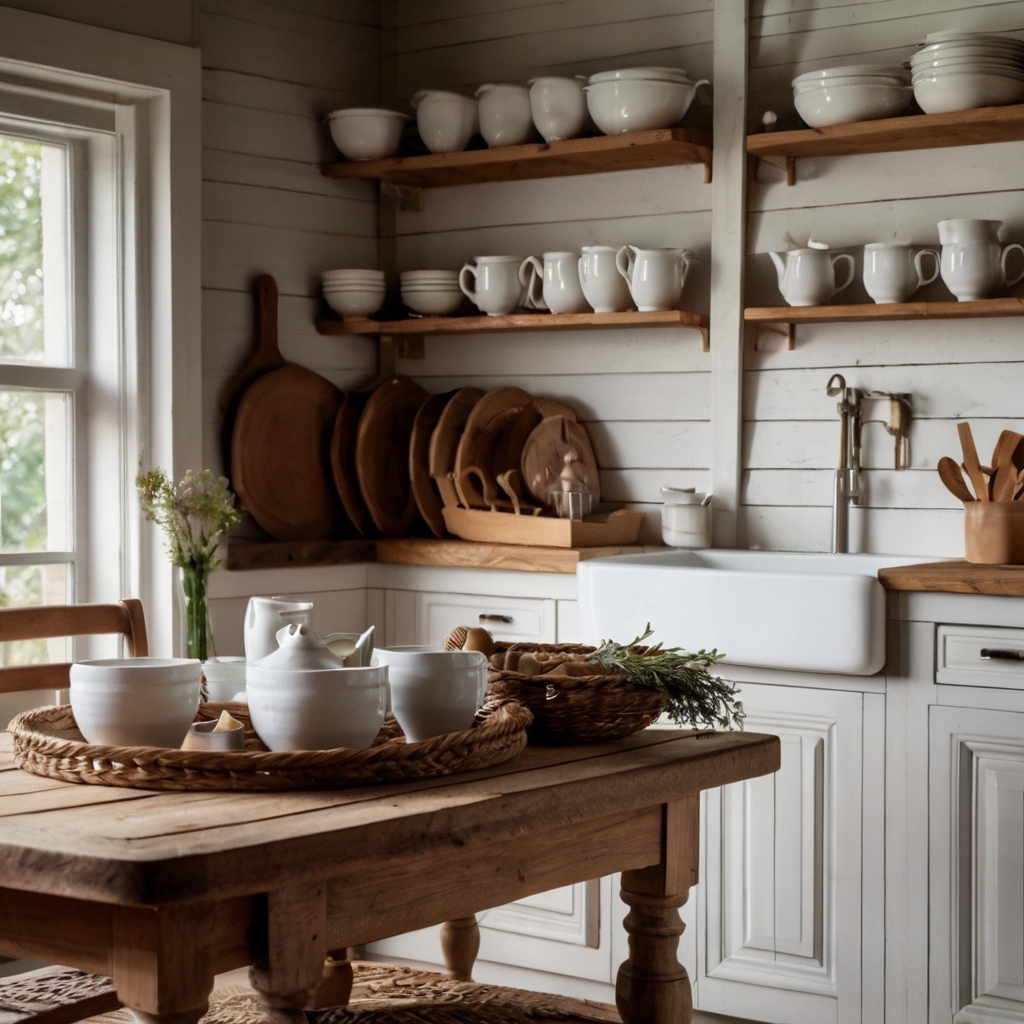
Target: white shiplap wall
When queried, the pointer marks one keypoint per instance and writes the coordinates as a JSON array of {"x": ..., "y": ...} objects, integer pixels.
[
  {"x": 271, "y": 71},
  {"x": 644, "y": 395},
  {"x": 954, "y": 369}
]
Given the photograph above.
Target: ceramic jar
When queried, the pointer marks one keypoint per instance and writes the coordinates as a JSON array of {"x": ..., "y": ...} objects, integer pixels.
[
  {"x": 655, "y": 276},
  {"x": 554, "y": 283},
  {"x": 892, "y": 272},
  {"x": 603, "y": 285},
  {"x": 135, "y": 702},
  {"x": 446, "y": 120},
  {"x": 264, "y": 618},
  {"x": 559, "y": 107},
  {"x": 301, "y": 697},
  {"x": 505, "y": 115},
  {"x": 807, "y": 277},
  {"x": 433, "y": 692},
  {"x": 497, "y": 289}
]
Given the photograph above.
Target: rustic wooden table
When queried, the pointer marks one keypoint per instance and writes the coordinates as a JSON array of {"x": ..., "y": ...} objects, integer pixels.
[{"x": 163, "y": 890}]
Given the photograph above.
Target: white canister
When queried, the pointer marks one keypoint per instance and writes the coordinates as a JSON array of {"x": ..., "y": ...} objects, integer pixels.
[
  {"x": 604, "y": 287},
  {"x": 505, "y": 115},
  {"x": 686, "y": 520},
  {"x": 554, "y": 284}
]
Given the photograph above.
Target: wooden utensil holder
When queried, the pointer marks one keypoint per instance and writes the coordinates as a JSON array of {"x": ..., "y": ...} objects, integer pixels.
[{"x": 994, "y": 532}]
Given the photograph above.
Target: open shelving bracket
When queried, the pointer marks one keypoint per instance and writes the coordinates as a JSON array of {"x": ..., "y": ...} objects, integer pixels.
[
  {"x": 390, "y": 349},
  {"x": 790, "y": 166},
  {"x": 410, "y": 197},
  {"x": 788, "y": 332}
]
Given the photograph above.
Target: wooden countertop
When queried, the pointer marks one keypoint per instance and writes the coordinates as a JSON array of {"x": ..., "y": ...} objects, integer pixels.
[{"x": 956, "y": 577}]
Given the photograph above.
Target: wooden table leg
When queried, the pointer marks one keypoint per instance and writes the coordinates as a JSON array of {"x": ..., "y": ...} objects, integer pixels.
[
  {"x": 460, "y": 943},
  {"x": 652, "y": 987},
  {"x": 163, "y": 961},
  {"x": 290, "y": 965}
]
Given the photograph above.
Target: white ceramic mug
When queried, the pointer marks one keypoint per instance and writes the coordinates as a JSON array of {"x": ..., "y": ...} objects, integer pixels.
[
  {"x": 433, "y": 691},
  {"x": 554, "y": 284},
  {"x": 559, "y": 106},
  {"x": 654, "y": 276},
  {"x": 505, "y": 115},
  {"x": 892, "y": 272},
  {"x": 969, "y": 232},
  {"x": 497, "y": 288},
  {"x": 264, "y": 617},
  {"x": 686, "y": 526},
  {"x": 977, "y": 271},
  {"x": 603, "y": 285}
]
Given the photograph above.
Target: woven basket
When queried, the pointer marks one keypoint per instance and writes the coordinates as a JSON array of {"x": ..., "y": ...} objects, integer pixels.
[
  {"x": 575, "y": 709},
  {"x": 47, "y": 742}
]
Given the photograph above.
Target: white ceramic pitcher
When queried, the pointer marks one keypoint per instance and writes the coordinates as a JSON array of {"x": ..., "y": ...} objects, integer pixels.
[
  {"x": 264, "y": 617},
  {"x": 554, "y": 284},
  {"x": 655, "y": 276},
  {"x": 807, "y": 277}
]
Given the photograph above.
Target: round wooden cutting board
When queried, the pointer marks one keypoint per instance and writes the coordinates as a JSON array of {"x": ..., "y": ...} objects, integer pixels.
[
  {"x": 428, "y": 498},
  {"x": 382, "y": 455},
  {"x": 343, "y": 460},
  {"x": 544, "y": 456},
  {"x": 280, "y": 461},
  {"x": 444, "y": 442}
]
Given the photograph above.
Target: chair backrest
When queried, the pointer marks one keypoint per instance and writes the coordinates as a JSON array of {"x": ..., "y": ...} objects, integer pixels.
[{"x": 44, "y": 622}]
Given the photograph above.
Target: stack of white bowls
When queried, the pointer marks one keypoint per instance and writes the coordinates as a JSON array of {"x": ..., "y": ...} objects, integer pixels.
[
  {"x": 431, "y": 292},
  {"x": 639, "y": 99},
  {"x": 966, "y": 70},
  {"x": 857, "y": 92},
  {"x": 354, "y": 292}
]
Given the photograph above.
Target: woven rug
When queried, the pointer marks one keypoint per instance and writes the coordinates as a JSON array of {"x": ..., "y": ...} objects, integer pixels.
[{"x": 387, "y": 994}]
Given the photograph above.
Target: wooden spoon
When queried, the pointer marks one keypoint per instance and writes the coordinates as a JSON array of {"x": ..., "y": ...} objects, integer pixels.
[
  {"x": 971, "y": 461},
  {"x": 953, "y": 478},
  {"x": 1005, "y": 481}
]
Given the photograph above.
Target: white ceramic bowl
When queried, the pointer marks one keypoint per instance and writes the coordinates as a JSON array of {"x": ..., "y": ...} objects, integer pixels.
[
  {"x": 641, "y": 74},
  {"x": 433, "y": 691},
  {"x": 364, "y": 133},
  {"x": 942, "y": 94},
  {"x": 636, "y": 105},
  {"x": 959, "y": 34},
  {"x": 408, "y": 277},
  {"x": 836, "y": 83},
  {"x": 356, "y": 301},
  {"x": 353, "y": 275},
  {"x": 317, "y": 709},
  {"x": 428, "y": 302},
  {"x": 135, "y": 702},
  {"x": 958, "y": 64},
  {"x": 845, "y": 104},
  {"x": 224, "y": 677},
  {"x": 446, "y": 120},
  {"x": 853, "y": 70}
]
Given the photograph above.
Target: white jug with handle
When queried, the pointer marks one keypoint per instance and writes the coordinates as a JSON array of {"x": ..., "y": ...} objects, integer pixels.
[
  {"x": 807, "y": 277},
  {"x": 264, "y": 617},
  {"x": 655, "y": 276}
]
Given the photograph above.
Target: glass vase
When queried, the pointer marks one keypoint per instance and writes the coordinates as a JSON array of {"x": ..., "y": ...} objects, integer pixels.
[{"x": 194, "y": 582}]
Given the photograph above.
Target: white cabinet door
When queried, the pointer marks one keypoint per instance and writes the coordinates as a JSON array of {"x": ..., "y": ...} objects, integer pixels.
[
  {"x": 781, "y": 889},
  {"x": 976, "y": 857}
]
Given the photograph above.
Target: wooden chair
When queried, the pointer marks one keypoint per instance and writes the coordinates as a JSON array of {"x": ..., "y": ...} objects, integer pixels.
[{"x": 60, "y": 995}]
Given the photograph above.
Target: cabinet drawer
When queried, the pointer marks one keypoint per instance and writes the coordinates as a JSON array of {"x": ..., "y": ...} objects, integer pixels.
[
  {"x": 508, "y": 618},
  {"x": 980, "y": 656}
]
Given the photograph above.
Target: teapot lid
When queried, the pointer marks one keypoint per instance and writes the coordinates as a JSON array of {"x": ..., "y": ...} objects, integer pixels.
[{"x": 300, "y": 650}]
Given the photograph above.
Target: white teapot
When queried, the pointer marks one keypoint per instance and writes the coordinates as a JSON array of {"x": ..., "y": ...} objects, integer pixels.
[{"x": 807, "y": 277}]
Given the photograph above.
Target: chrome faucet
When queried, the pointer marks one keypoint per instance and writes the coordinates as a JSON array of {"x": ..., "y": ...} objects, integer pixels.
[{"x": 848, "y": 489}]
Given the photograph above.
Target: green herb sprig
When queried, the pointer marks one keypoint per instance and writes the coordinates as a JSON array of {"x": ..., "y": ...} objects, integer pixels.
[{"x": 690, "y": 693}]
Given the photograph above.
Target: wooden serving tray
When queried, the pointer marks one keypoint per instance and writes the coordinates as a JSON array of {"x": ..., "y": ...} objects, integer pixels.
[{"x": 603, "y": 529}]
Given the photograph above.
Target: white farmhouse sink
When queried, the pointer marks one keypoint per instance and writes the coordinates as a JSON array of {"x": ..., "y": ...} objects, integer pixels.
[{"x": 773, "y": 609}]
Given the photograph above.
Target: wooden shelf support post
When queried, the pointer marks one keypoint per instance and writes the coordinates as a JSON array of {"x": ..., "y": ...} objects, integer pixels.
[{"x": 410, "y": 197}]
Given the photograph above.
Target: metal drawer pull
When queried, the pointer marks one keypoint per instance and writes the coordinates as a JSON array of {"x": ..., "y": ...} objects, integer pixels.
[
  {"x": 496, "y": 618},
  {"x": 1002, "y": 654}
]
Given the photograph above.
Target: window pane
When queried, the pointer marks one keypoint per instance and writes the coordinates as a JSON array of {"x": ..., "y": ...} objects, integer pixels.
[
  {"x": 27, "y": 585},
  {"x": 33, "y": 252},
  {"x": 34, "y": 471}
]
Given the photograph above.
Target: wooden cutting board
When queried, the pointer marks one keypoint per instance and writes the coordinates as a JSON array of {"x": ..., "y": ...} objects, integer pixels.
[
  {"x": 382, "y": 455},
  {"x": 424, "y": 490},
  {"x": 343, "y": 460},
  {"x": 280, "y": 454},
  {"x": 444, "y": 442},
  {"x": 544, "y": 456},
  {"x": 265, "y": 357}
]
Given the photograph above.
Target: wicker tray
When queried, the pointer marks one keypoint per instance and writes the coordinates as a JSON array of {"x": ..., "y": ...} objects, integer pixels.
[
  {"x": 575, "y": 709},
  {"x": 47, "y": 742}
]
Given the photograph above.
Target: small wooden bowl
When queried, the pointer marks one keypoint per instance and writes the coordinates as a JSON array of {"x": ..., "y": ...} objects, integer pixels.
[{"x": 994, "y": 532}]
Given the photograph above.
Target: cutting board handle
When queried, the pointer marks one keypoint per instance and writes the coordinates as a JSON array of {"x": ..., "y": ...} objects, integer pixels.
[{"x": 266, "y": 314}]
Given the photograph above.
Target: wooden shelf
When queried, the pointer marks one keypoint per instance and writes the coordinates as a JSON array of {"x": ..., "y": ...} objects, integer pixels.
[
  {"x": 884, "y": 311},
  {"x": 956, "y": 577},
  {"x": 896, "y": 134},
  {"x": 455, "y": 553},
  {"x": 631, "y": 151},
  {"x": 515, "y": 322}
]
